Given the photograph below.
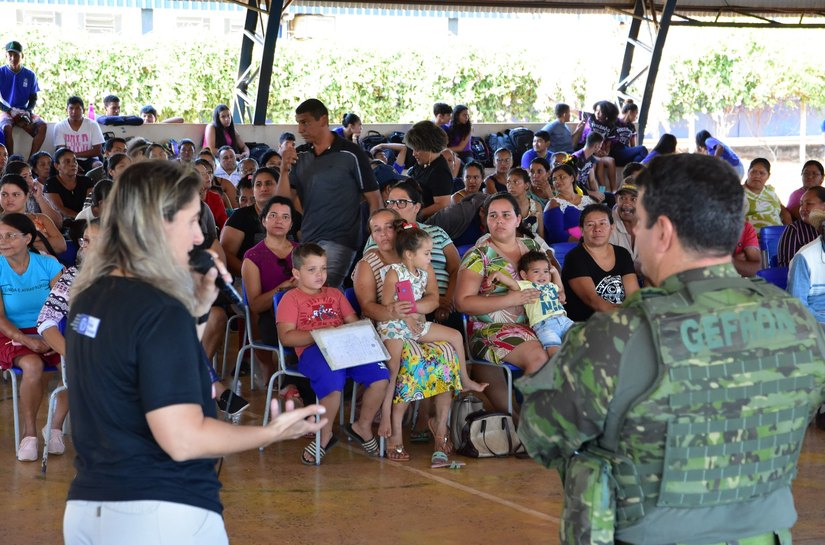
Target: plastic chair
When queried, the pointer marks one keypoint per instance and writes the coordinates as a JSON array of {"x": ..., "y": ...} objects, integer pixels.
[
  {"x": 242, "y": 339},
  {"x": 463, "y": 249},
  {"x": 284, "y": 371},
  {"x": 561, "y": 249},
  {"x": 778, "y": 276},
  {"x": 12, "y": 374},
  {"x": 768, "y": 244},
  {"x": 508, "y": 368},
  {"x": 52, "y": 408},
  {"x": 249, "y": 345}
]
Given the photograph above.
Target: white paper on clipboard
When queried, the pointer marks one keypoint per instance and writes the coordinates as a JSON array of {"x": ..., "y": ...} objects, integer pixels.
[{"x": 350, "y": 345}]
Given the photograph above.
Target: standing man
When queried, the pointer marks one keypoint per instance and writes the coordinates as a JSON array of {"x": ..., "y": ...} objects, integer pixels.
[
  {"x": 80, "y": 134},
  {"x": 695, "y": 394},
  {"x": 18, "y": 90},
  {"x": 329, "y": 179}
]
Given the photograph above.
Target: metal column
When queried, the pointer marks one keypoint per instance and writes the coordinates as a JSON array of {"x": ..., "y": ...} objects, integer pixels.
[
  {"x": 239, "y": 110},
  {"x": 653, "y": 70},
  {"x": 273, "y": 24}
]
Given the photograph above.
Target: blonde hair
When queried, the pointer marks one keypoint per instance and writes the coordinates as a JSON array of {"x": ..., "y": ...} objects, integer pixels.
[{"x": 132, "y": 237}]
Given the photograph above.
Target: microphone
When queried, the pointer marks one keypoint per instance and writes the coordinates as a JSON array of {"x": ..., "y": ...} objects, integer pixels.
[{"x": 201, "y": 261}]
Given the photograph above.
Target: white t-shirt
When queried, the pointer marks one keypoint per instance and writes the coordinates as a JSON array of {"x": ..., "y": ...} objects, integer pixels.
[{"x": 84, "y": 139}]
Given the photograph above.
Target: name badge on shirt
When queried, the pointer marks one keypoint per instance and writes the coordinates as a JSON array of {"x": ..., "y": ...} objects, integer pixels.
[{"x": 86, "y": 325}]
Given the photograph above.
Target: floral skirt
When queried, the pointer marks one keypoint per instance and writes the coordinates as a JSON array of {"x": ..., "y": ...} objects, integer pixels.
[
  {"x": 494, "y": 342},
  {"x": 427, "y": 369}
]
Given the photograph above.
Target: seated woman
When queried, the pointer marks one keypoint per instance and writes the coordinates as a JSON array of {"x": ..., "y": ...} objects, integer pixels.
[
  {"x": 473, "y": 178},
  {"x": 540, "y": 181},
  {"x": 459, "y": 132},
  {"x": 350, "y": 128},
  {"x": 498, "y": 324},
  {"x": 25, "y": 280},
  {"x": 41, "y": 163},
  {"x": 624, "y": 149},
  {"x": 801, "y": 231},
  {"x": 597, "y": 275},
  {"x": 36, "y": 203},
  {"x": 13, "y": 197},
  {"x": 763, "y": 205},
  {"x": 243, "y": 229},
  {"x": 67, "y": 190},
  {"x": 428, "y": 370},
  {"x": 266, "y": 269},
  {"x": 812, "y": 175},
  {"x": 54, "y": 311},
  {"x": 221, "y": 132},
  {"x": 561, "y": 215},
  {"x": 806, "y": 277},
  {"x": 497, "y": 181},
  {"x": 518, "y": 185},
  {"x": 212, "y": 198}
]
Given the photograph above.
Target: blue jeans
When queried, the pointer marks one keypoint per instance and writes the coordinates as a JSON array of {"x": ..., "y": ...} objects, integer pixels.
[{"x": 551, "y": 331}]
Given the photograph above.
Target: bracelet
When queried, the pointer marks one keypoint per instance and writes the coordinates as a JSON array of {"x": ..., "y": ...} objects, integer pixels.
[{"x": 202, "y": 319}]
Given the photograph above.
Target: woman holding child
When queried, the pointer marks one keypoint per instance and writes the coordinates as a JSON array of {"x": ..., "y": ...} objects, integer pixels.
[
  {"x": 427, "y": 370},
  {"x": 498, "y": 324}
]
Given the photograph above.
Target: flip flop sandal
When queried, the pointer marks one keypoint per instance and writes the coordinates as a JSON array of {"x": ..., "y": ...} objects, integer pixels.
[
  {"x": 309, "y": 451},
  {"x": 442, "y": 443},
  {"x": 370, "y": 446},
  {"x": 398, "y": 453},
  {"x": 452, "y": 464}
]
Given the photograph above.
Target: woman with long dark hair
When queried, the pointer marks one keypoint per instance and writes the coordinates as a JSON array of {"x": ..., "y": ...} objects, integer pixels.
[
  {"x": 221, "y": 132},
  {"x": 350, "y": 128},
  {"x": 459, "y": 132}
]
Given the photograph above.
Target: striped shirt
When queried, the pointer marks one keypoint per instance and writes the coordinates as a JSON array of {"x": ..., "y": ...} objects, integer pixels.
[{"x": 794, "y": 237}]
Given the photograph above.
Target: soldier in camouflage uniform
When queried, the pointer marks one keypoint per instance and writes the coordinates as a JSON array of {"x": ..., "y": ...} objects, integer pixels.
[{"x": 678, "y": 419}]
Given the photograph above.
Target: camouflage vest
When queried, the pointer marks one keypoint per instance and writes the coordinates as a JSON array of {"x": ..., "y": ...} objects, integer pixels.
[{"x": 740, "y": 369}]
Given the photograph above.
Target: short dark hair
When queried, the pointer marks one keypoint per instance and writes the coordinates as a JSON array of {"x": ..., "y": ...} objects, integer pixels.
[
  {"x": 440, "y": 108},
  {"x": 411, "y": 188},
  {"x": 761, "y": 161},
  {"x": 109, "y": 99},
  {"x": 596, "y": 208},
  {"x": 149, "y": 109},
  {"x": 541, "y": 161},
  {"x": 286, "y": 136},
  {"x": 474, "y": 164},
  {"x": 531, "y": 257},
  {"x": 426, "y": 136},
  {"x": 15, "y": 179},
  {"x": 544, "y": 135},
  {"x": 269, "y": 154},
  {"x": 75, "y": 100},
  {"x": 819, "y": 190},
  {"x": 115, "y": 160},
  {"x": 186, "y": 141},
  {"x": 714, "y": 225},
  {"x": 110, "y": 143},
  {"x": 224, "y": 148},
  {"x": 561, "y": 109},
  {"x": 277, "y": 199},
  {"x": 245, "y": 182},
  {"x": 631, "y": 169},
  {"x": 16, "y": 167},
  {"x": 304, "y": 251},
  {"x": 313, "y": 107},
  {"x": 593, "y": 138}
]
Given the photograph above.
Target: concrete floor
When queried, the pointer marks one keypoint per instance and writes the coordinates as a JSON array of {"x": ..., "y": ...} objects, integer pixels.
[{"x": 270, "y": 497}]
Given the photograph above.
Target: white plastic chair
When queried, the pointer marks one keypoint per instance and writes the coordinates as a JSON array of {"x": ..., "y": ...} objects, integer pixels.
[{"x": 50, "y": 416}]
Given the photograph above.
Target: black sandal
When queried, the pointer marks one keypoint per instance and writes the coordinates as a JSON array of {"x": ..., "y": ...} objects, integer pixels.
[{"x": 310, "y": 449}]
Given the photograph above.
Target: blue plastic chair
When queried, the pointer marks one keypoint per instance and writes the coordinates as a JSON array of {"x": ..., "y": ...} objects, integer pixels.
[
  {"x": 768, "y": 244},
  {"x": 778, "y": 276},
  {"x": 561, "y": 249},
  {"x": 463, "y": 249},
  {"x": 508, "y": 368}
]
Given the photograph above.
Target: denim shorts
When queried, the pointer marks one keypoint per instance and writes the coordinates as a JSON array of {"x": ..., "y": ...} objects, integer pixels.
[{"x": 551, "y": 331}]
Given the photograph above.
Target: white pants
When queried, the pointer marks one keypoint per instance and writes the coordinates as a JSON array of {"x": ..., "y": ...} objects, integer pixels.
[{"x": 145, "y": 522}]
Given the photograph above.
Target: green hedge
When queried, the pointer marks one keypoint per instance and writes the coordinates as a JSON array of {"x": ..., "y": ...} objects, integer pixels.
[{"x": 187, "y": 79}]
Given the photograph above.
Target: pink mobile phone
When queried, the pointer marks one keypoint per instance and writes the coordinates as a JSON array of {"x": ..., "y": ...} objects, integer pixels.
[{"x": 404, "y": 292}]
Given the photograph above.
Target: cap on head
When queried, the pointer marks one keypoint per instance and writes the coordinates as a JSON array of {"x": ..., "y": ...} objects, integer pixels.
[
  {"x": 15, "y": 46},
  {"x": 629, "y": 189}
]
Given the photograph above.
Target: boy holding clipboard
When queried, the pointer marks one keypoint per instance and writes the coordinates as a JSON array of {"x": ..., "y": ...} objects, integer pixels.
[{"x": 311, "y": 306}]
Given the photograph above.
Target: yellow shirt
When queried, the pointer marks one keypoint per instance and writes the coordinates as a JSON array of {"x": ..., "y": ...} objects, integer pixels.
[{"x": 548, "y": 304}]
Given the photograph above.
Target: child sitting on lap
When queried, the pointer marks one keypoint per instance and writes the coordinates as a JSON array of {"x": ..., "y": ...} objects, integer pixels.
[
  {"x": 547, "y": 316},
  {"x": 414, "y": 246},
  {"x": 312, "y": 305}
]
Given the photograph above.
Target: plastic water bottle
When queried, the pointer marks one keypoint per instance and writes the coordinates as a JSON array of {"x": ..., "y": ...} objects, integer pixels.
[{"x": 91, "y": 111}]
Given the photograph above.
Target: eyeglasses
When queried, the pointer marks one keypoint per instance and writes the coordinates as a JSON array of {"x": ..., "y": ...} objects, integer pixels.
[
  {"x": 12, "y": 236},
  {"x": 401, "y": 204}
]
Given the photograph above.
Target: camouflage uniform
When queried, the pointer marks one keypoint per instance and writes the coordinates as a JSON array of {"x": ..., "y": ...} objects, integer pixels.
[{"x": 695, "y": 396}]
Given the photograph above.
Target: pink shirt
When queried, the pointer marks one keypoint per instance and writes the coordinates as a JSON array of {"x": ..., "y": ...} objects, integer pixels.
[{"x": 328, "y": 308}]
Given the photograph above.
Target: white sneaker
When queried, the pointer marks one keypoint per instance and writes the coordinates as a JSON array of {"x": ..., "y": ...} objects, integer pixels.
[
  {"x": 56, "y": 445},
  {"x": 27, "y": 451}
]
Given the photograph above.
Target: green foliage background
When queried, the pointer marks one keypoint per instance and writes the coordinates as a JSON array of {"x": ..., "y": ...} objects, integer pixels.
[{"x": 189, "y": 79}]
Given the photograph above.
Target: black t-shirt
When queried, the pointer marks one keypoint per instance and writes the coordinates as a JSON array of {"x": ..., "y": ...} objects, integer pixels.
[
  {"x": 609, "y": 286},
  {"x": 132, "y": 349},
  {"x": 435, "y": 180},
  {"x": 247, "y": 221},
  {"x": 73, "y": 199}
]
